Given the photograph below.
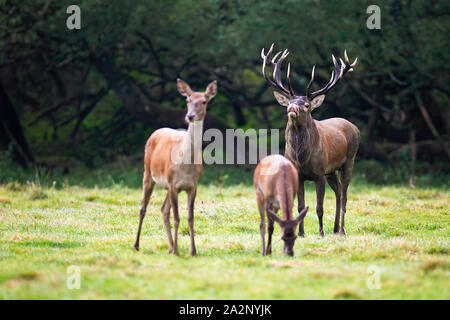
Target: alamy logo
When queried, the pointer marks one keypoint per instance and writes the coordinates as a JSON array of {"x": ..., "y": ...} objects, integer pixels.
[
  {"x": 74, "y": 20},
  {"x": 373, "y": 281},
  {"x": 374, "y": 20},
  {"x": 73, "y": 278}
]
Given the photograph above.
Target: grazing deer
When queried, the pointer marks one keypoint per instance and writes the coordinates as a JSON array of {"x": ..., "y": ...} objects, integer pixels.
[
  {"x": 319, "y": 149},
  {"x": 276, "y": 184},
  {"x": 173, "y": 161}
]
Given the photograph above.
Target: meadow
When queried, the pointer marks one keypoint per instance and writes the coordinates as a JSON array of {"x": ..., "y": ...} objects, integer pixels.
[{"x": 395, "y": 234}]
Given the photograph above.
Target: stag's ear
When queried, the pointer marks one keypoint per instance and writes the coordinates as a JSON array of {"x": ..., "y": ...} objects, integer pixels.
[
  {"x": 211, "y": 90},
  {"x": 302, "y": 215},
  {"x": 281, "y": 98},
  {"x": 183, "y": 88},
  {"x": 274, "y": 217},
  {"x": 316, "y": 102}
]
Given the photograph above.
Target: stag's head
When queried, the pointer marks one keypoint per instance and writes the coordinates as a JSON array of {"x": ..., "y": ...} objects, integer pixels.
[
  {"x": 288, "y": 230},
  {"x": 196, "y": 101},
  {"x": 299, "y": 108}
]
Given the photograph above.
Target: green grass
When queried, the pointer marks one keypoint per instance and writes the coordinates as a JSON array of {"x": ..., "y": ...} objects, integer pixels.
[{"x": 90, "y": 221}]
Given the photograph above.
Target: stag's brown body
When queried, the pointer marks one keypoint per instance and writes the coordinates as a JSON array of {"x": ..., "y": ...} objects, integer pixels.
[
  {"x": 276, "y": 183},
  {"x": 319, "y": 149}
]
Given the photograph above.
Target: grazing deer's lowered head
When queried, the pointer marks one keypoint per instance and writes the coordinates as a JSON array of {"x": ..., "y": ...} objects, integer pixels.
[{"x": 288, "y": 230}]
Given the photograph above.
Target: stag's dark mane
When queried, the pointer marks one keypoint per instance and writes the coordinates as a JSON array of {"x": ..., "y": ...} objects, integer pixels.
[{"x": 299, "y": 142}]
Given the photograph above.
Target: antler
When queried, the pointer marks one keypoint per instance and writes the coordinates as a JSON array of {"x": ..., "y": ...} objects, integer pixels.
[
  {"x": 276, "y": 82},
  {"x": 336, "y": 75}
]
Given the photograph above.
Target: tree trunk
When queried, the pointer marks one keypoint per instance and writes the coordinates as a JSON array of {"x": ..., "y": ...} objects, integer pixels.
[{"x": 11, "y": 131}]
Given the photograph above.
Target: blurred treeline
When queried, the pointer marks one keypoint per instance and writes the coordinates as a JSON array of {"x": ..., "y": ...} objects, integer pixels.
[{"x": 91, "y": 95}]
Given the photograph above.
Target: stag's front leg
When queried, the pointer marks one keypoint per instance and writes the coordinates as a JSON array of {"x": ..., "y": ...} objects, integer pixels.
[
  {"x": 173, "y": 196},
  {"x": 301, "y": 205},
  {"x": 191, "y": 200},
  {"x": 320, "y": 190}
]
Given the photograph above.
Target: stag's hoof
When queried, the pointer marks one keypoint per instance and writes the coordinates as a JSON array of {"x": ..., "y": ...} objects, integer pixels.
[
  {"x": 136, "y": 247},
  {"x": 342, "y": 233},
  {"x": 193, "y": 253}
]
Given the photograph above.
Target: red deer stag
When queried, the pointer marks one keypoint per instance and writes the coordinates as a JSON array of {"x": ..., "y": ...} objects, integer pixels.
[
  {"x": 276, "y": 184},
  {"x": 319, "y": 149},
  {"x": 173, "y": 161}
]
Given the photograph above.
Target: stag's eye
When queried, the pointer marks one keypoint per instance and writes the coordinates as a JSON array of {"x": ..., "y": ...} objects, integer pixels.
[{"x": 204, "y": 102}]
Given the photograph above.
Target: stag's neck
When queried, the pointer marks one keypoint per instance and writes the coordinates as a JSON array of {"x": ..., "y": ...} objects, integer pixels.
[
  {"x": 300, "y": 141},
  {"x": 193, "y": 145}
]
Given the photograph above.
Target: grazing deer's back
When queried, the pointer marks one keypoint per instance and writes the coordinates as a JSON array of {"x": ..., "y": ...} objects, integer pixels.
[{"x": 276, "y": 179}]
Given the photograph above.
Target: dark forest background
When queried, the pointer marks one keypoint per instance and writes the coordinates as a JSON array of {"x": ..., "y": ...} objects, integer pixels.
[{"x": 87, "y": 97}]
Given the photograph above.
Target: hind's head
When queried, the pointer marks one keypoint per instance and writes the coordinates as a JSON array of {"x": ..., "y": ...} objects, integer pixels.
[{"x": 196, "y": 101}]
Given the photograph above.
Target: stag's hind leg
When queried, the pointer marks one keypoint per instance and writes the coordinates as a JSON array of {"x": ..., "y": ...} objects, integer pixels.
[
  {"x": 335, "y": 184},
  {"x": 347, "y": 171},
  {"x": 147, "y": 185}
]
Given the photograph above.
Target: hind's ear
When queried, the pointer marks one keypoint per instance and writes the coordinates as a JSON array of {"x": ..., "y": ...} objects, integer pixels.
[
  {"x": 183, "y": 88},
  {"x": 211, "y": 90}
]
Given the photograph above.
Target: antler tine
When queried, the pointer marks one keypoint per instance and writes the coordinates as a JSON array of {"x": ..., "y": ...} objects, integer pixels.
[
  {"x": 308, "y": 89},
  {"x": 336, "y": 75},
  {"x": 266, "y": 60},
  {"x": 276, "y": 65},
  {"x": 288, "y": 74}
]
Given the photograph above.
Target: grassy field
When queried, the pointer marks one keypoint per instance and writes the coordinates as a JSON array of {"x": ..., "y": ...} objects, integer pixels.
[{"x": 394, "y": 232}]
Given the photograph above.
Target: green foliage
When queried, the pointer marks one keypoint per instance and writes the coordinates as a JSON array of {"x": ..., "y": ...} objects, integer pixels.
[{"x": 155, "y": 41}]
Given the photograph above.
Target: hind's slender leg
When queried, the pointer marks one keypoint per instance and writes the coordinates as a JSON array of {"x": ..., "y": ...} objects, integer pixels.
[
  {"x": 320, "y": 191},
  {"x": 347, "y": 172},
  {"x": 165, "y": 209},
  {"x": 173, "y": 197},
  {"x": 262, "y": 224},
  {"x": 191, "y": 199},
  {"x": 335, "y": 184},
  {"x": 301, "y": 205},
  {"x": 147, "y": 186},
  {"x": 269, "y": 229}
]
